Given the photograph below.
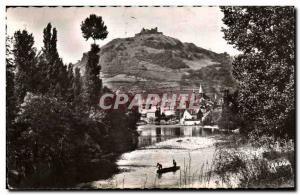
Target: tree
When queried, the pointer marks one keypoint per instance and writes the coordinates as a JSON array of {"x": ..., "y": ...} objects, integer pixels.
[
  {"x": 20, "y": 71},
  {"x": 121, "y": 137},
  {"x": 229, "y": 118},
  {"x": 50, "y": 46},
  {"x": 92, "y": 82},
  {"x": 69, "y": 84},
  {"x": 77, "y": 86},
  {"x": 10, "y": 106},
  {"x": 70, "y": 74},
  {"x": 199, "y": 114},
  {"x": 47, "y": 40},
  {"x": 265, "y": 69},
  {"x": 10, "y": 84},
  {"x": 62, "y": 79},
  {"x": 53, "y": 74},
  {"x": 94, "y": 27},
  {"x": 50, "y": 147},
  {"x": 57, "y": 70},
  {"x": 24, "y": 58}
]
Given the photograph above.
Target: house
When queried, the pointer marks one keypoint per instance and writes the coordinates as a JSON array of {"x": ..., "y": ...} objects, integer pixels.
[
  {"x": 189, "y": 117},
  {"x": 148, "y": 114},
  {"x": 168, "y": 110}
]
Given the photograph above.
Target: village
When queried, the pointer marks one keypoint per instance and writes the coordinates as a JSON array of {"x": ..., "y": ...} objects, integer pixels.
[{"x": 206, "y": 110}]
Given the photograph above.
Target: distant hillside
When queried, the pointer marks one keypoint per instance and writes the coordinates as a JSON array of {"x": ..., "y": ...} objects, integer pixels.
[{"x": 151, "y": 61}]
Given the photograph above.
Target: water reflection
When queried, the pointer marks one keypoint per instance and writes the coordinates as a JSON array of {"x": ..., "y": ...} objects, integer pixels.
[
  {"x": 151, "y": 134},
  {"x": 140, "y": 165}
]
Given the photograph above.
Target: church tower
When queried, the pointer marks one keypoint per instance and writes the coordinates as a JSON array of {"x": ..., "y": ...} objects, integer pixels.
[{"x": 201, "y": 92}]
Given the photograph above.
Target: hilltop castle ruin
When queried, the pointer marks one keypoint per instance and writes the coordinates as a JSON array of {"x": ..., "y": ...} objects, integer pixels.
[{"x": 149, "y": 31}]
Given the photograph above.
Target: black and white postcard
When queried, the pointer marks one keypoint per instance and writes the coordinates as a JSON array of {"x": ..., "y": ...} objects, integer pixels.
[{"x": 150, "y": 97}]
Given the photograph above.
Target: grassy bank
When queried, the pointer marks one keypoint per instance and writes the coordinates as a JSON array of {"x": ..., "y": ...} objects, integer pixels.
[{"x": 267, "y": 163}]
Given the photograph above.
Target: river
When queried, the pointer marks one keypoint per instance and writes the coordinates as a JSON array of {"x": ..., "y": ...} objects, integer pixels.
[{"x": 192, "y": 147}]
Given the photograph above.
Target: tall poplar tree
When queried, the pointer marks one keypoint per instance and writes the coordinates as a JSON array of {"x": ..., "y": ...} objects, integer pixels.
[
  {"x": 69, "y": 84},
  {"x": 24, "y": 60},
  {"x": 77, "y": 87},
  {"x": 92, "y": 81},
  {"x": 53, "y": 73},
  {"x": 93, "y": 27}
]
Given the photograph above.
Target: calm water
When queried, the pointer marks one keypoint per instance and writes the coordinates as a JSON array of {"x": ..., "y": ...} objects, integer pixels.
[
  {"x": 151, "y": 134},
  {"x": 190, "y": 146}
]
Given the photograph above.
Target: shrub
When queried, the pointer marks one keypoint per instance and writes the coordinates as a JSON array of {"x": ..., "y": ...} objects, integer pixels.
[
  {"x": 54, "y": 143},
  {"x": 256, "y": 167}
]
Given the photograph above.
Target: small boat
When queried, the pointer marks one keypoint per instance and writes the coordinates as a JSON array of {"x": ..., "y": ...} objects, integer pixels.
[{"x": 168, "y": 169}]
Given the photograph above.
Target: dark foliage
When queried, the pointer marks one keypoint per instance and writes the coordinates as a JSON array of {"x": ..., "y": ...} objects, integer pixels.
[
  {"x": 24, "y": 61},
  {"x": 52, "y": 77},
  {"x": 230, "y": 118},
  {"x": 94, "y": 27},
  {"x": 59, "y": 137},
  {"x": 92, "y": 81},
  {"x": 265, "y": 69},
  {"x": 10, "y": 84}
]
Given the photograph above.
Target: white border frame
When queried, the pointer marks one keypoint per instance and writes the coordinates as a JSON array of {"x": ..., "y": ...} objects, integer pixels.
[{"x": 3, "y": 5}]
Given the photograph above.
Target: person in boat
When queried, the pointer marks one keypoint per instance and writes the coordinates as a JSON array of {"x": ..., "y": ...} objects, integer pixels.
[
  {"x": 174, "y": 163},
  {"x": 159, "y": 166}
]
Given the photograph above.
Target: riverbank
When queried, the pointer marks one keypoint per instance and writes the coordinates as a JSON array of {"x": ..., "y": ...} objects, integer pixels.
[
  {"x": 266, "y": 163},
  {"x": 207, "y": 160}
]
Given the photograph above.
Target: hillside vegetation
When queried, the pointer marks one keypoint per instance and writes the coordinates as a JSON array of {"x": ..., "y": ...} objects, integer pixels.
[{"x": 153, "y": 61}]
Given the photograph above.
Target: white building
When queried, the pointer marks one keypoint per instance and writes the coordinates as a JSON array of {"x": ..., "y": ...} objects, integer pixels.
[
  {"x": 148, "y": 113},
  {"x": 189, "y": 119}
]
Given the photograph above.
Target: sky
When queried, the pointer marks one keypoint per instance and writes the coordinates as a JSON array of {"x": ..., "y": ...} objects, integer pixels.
[{"x": 198, "y": 25}]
